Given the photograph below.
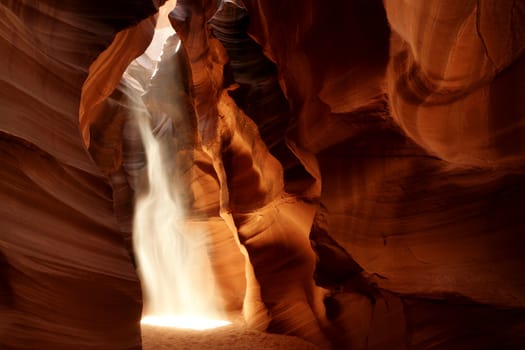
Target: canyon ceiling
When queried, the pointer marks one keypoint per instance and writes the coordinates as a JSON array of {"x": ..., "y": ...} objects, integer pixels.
[{"x": 359, "y": 166}]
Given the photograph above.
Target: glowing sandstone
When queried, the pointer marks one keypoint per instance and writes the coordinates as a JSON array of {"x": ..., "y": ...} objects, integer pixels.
[{"x": 398, "y": 143}]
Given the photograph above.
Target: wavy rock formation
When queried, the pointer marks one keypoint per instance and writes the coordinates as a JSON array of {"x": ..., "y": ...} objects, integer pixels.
[
  {"x": 67, "y": 276},
  {"x": 359, "y": 167}
]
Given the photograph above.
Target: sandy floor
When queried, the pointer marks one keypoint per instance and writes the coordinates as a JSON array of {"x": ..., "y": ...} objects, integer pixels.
[{"x": 224, "y": 338}]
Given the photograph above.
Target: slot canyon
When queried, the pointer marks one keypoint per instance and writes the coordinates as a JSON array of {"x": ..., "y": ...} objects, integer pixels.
[{"x": 324, "y": 175}]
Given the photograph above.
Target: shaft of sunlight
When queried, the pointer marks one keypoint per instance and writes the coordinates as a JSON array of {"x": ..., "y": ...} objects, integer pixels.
[{"x": 173, "y": 260}]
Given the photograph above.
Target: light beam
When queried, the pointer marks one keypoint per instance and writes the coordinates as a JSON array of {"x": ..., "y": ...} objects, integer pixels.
[{"x": 172, "y": 256}]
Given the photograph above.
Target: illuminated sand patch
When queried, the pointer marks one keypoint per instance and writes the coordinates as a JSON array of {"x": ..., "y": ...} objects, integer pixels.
[
  {"x": 184, "y": 322},
  {"x": 232, "y": 337}
]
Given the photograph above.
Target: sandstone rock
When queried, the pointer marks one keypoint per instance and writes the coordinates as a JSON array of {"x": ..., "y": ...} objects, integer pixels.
[{"x": 358, "y": 165}]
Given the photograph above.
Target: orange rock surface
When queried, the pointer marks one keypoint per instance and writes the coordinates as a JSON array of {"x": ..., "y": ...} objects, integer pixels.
[{"x": 359, "y": 167}]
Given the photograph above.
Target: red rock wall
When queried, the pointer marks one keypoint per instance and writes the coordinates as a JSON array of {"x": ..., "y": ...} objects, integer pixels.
[
  {"x": 366, "y": 156},
  {"x": 458, "y": 95},
  {"x": 68, "y": 281}
]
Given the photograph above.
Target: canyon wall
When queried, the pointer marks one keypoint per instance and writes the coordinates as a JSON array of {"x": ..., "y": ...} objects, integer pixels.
[{"x": 360, "y": 167}]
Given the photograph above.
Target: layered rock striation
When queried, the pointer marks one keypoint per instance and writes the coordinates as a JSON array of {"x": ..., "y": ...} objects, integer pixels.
[{"x": 359, "y": 167}]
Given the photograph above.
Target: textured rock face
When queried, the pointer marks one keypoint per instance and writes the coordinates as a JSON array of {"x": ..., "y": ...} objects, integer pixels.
[
  {"x": 360, "y": 167},
  {"x": 68, "y": 280}
]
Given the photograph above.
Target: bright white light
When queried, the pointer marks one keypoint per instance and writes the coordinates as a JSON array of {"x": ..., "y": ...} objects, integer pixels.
[
  {"x": 186, "y": 322},
  {"x": 172, "y": 251}
]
